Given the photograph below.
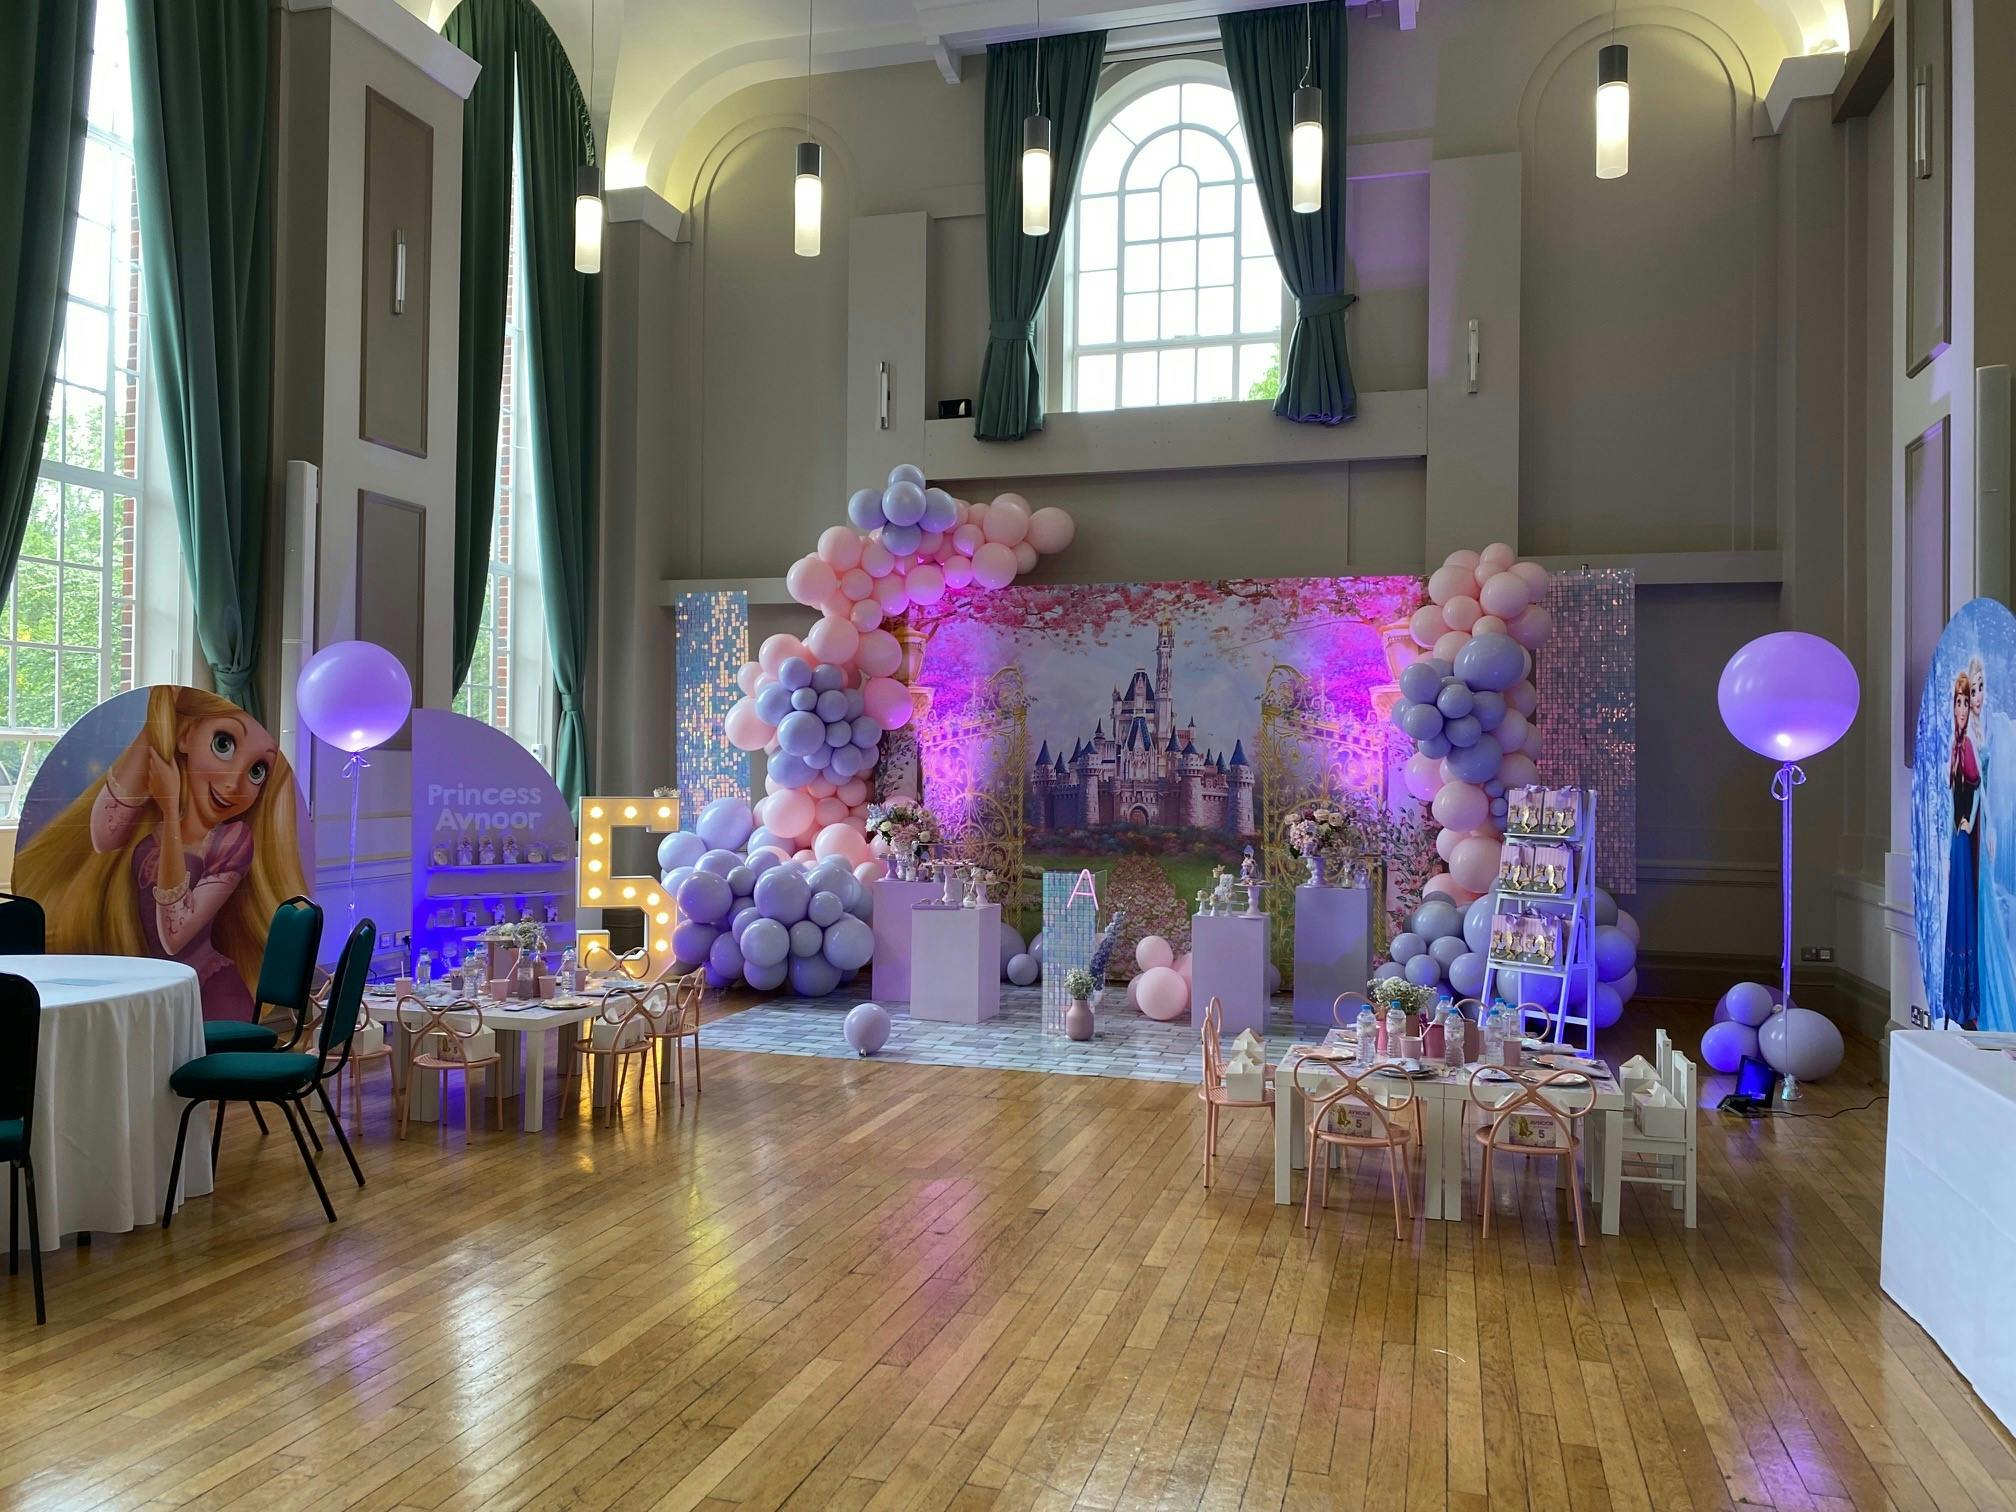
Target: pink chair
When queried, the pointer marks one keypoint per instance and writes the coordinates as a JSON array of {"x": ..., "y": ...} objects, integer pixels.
[
  {"x": 437, "y": 1044},
  {"x": 676, "y": 1022},
  {"x": 1344, "y": 1012},
  {"x": 1211, "y": 1091},
  {"x": 1393, "y": 1120},
  {"x": 620, "y": 1033},
  {"x": 1525, "y": 1112}
]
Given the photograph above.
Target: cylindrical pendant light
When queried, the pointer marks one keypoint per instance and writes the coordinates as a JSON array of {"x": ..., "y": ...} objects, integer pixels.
[
  {"x": 808, "y": 189},
  {"x": 1613, "y": 105},
  {"x": 1036, "y": 152},
  {"x": 1305, "y": 140},
  {"x": 808, "y": 200},
  {"x": 588, "y": 182}
]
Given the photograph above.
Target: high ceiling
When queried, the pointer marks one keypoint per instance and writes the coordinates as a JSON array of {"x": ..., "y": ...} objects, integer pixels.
[{"x": 660, "y": 65}]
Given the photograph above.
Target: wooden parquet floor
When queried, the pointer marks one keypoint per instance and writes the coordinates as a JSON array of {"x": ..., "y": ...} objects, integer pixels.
[{"x": 835, "y": 1284}]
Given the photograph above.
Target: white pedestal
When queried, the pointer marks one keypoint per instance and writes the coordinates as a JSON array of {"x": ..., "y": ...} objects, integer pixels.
[
  {"x": 955, "y": 964},
  {"x": 1333, "y": 943},
  {"x": 890, "y": 973},
  {"x": 1228, "y": 961}
]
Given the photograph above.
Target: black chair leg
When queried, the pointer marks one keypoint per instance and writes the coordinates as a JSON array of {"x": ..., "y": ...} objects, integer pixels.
[
  {"x": 13, "y": 1221},
  {"x": 308, "y": 1160},
  {"x": 217, "y": 1137},
  {"x": 309, "y": 1124},
  {"x": 337, "y": 1124},
  {"x": 34, "y": 1241},
  {"x": 175, "y": 1169},
  {"x": 259, "y": 1118}
]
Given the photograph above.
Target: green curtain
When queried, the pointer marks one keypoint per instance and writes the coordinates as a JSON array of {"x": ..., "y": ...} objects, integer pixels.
[
  {"x": 206, "y": 242},
  {"x": 45, "y": 70},
  {"x": 1018, "y": 267},
  {"x": 563, "y": 351},
  {"x": 488, "y": 32},
  {"x": 1265, "y": 53}
]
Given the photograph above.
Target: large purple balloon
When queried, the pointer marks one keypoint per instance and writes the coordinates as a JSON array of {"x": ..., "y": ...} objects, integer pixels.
[
  {"x": 706, "y": 898},
  {"x": 1726, "y": 1044},
  {"x": 765, "y": 976},
  {"x": 693, "y": 941},
  {"x": 782, "y": 895},
  {"x": 1788, "y": 695},
  {"x": 806, "y": 938},
  {"x": 725, "y": 823},
  {"x": 813, "y": 976},
  {"x": 1801, "y": 1043},
  {"x": 801, "y": 733},
  {"x": 766, "y": 943},
  {"x": 1495, "y": 662},
  {"x": 850, "y": 944},
  {"x": 354, "y": 695}
]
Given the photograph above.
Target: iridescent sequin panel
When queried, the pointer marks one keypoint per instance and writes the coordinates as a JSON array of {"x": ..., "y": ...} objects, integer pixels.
[
  {"x": 713, "y": 631},
  {"x": 1587, "y": 679}
]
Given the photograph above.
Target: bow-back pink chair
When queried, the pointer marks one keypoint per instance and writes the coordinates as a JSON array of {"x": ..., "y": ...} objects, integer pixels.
[
  {"x": 1211, "y": 1090},
  {"x": 439, "y": 1043},
  {"x": 1344, "y": 1012},
  {"x": 619, "y": 1034},
  {"x": 679, "y": 1022},
  {"x": 1529, "y": 1100},
  {"x": 1393, "y": 1119}
]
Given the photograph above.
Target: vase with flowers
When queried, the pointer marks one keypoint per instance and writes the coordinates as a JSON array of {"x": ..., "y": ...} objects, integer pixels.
[
  {"x": 1078, "y": 987},
  {"x": 906, "y": 830},
  {"x": 1320, "y": 836}
]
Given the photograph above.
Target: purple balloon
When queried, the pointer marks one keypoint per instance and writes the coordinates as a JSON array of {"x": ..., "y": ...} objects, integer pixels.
[
  {"x": 782, "y": 895},
  {"x": 1478, "y": 761},
  {"x": 705, "y": 898},
  {"x": 773, "y": 703},
  {"x": 813, "y": 976},
  {"x": 794, "y": 672},
  {"x": 866, "y": 732},
  {"x": 1725, "y": 1044},
  {"x": 1419, "y": 684},
  {"x": 850, "y": 944},
  {"x": 725, "y": 958},
  {"x": 1422, "y": 971},
  {"x": 844, "y": 762},
  {"x": 839, "y": 733},
  {"x": 680, "y": 848},
  {"x": 1466, "y": 972},
  {"x": 1435, "y": 748},
  {"x": 744, "y": 917},
  {"x": 901, "y": 539},
  {"x": 1477, "y": 924},
  {"x": 801, "y": 733},
  {"x": 832, "y": 705},
  {"x": 1011, "y": 944},
  {"x": 941, "y": 510},
  {"x": 867, "y": 1028},
  {"x": 692, "y": 940},
  {"x": 1788, "y": 695},
  {"x": 857, "y": 703},
  {"x": 806, "y": 938},
  {"x": 1801, "y": 1043},
  {"x": 824, "y": 908},
  {"x": 789, "y": 770},
  {"x": 1749, "y": 1003},
  {"x": 805, "y": 700},
  {"x": 354, "y": 695},
  {"x": 1448, "y": 950},
  {"x": 766, "y": 977},
  {"x": 1463, "y": 732},
  {"x": 741, "y": 881},
  {"x": 864, "y": 509},
  {"x": 1488, "y": 707},
  {"x": 761, "y": 856},
  {"x": 719, "y": 862},
  {"x": 905, "y": 472},
  {"x": 1455, "y": 701},
  {"x": 726, "y": 822},
  {"x": 1423, "y": 721},
  {"x": 826, "y": 677},
  {"x": 1493, "y": 662},
  {"x": 820, "y": 756},
  {"x": 902, "y": 505},
  {"x": 766, "y": 943}
]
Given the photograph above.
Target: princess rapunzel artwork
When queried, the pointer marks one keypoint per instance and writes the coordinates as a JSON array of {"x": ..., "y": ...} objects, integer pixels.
[{"x": 180, "y": 850}]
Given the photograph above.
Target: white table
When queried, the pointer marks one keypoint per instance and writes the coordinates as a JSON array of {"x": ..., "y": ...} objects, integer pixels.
[
  {"x": 113, "y": 1029},
  {"x": 1949, "y": 1203},
  {"x": 1445, "y": 1146},
  {"x": 522, "y": 1030}
]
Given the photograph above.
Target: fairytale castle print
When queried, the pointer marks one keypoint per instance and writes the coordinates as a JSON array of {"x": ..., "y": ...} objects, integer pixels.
[{"x": 1147, "y": 772}]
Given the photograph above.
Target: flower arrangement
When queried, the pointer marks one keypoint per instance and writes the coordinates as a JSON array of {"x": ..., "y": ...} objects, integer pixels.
[
  {"x": 1398, "y": 992},
  {"x": 902, "y": 824},
  {"x": 1319, "y": 833},
  {"x": 1078, "y": 985},
  {"x": 1102, "y": 950}
]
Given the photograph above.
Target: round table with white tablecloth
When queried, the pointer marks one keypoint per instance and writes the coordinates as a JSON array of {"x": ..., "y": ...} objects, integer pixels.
[{"x": 113, "y": 1029}]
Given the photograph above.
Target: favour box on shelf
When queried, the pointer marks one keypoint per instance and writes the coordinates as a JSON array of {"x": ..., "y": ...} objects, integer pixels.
[{"x": 1659, "y": 1114}]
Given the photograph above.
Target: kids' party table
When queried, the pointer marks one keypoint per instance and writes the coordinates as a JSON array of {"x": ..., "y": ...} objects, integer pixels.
[{"x": 1444, "y": 1095}]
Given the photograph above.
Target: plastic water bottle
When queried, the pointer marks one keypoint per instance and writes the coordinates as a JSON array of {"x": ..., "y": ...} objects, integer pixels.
[
  {"x": 423, "y": 970},
  {"x": 1454, "y": 1031},
  {"x": 1396, "y": 1029},
  {"x": 1368, "y": 1036},
  {"x": 567, "y": 978},
  {"x": 1494, "y": 1033}
]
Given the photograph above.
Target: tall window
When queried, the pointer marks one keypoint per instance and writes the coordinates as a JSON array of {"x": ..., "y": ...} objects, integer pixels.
[
  {"x": 68, "y": 624},
  {"x": 503, "y": 687},
  {"x": 1173, "y": 295}
]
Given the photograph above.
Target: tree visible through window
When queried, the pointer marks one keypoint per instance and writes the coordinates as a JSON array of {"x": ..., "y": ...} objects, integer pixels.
[
  {"x": 67, "y": 624},
  {"x": 1174, "y": 295}
]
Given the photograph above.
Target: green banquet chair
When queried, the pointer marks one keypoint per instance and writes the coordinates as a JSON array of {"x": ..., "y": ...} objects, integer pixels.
[
  {"x": 20, "y": 1039},
  {"x": 282, "y": 1077},
  {"x": 24, "y": 930},
  {"x": 286, "y": 980}
]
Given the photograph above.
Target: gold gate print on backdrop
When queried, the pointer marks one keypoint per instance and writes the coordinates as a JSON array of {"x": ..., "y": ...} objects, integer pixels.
[
  {"x": 601, "y": 888},
  {"x": 974, "y": 764},
  {"x": 1311, "y": 752}
]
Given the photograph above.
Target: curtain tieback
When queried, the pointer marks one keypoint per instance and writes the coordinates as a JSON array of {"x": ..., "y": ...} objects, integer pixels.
[
  {"x": 1012, "y": 330},
  {"x": 1317, "y": 306}
]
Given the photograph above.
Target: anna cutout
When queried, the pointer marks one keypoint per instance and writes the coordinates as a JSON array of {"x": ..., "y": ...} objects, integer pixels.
[{"x": 181, "y": 850}]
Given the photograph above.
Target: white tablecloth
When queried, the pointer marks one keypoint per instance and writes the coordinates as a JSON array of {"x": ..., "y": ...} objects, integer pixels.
[
  {"x": 1949, "y": 1204},
  {"x": 113, "y": 1029}
]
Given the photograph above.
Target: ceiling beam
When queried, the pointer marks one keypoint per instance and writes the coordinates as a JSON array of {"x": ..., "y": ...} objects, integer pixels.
[
  {"x": 1870, "y": 68},
  {"x": 950, "y": 65}
]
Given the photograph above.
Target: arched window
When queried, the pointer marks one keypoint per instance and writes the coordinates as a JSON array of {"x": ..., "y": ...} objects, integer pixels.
[{"x": 1172, "y": 295}]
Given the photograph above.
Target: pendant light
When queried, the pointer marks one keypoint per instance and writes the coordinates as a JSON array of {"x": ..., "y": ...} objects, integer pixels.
[
  {"x": 1036, "y": 152},
  {"x": 588, "y": 182},
  {"x": 1305, "y": 141},
  {"x": 1613, "y": 105},
  {"x": 808, "y": 189}
]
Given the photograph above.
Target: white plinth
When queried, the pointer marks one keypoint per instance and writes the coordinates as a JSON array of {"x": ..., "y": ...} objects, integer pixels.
[
  {"x": 955, "y": 964},
  {"x": 1228, "y": 961},
  {"x": 890, "y": 976}
]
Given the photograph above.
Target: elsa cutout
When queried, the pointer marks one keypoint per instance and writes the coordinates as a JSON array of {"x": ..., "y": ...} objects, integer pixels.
[{"x": 1993, "y": 737}]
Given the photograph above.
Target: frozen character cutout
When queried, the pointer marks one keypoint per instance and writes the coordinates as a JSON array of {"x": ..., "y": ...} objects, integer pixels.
[
  {"x": 1960, "y": 994},
  {"x": 1994, "y": 858},
  {"x": 181, "y": 850}
]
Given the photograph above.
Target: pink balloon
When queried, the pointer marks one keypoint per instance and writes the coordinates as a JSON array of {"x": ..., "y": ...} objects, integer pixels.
[
  {"x": 748, "y": 679},
  {"x": 834, "y": 640},
  {"x": 1475, "y": 864},
  {"x": 1461, "y": 806},
  {"x": 880, "y": 653},
  {"x": 1424, "y": 779},
  {"x": 803, "y": 855},
  {"x": 876, "y": 560},
  {"x": 1446, "y": 841},
  {"x": 840, "y": 547},
  {"x": 1464, "y": 559},
  {"x": 1461, "y": 612},
  {"x": 1051, "y": 530},
  {"x": 1536, "y": 578},
  {"x": 820, "y": 787},
  {"x": 1518, "y": 770},
  {"x": 856, "y": 584},
  {"x": 1007, "y": 520},
  {"x": 1494, "y": 559},
  {"x": 888, "y": 702},
  {"x": 1488, "y": 624},
  {"x": 968, "y": 538},
  {"x": 1534, "y": 743},
  {"x": 1532, "y": 627},
  {"x": 1505, "y": 595},
  {"x": 929, "y": 543},
  {"x": 777, "y": 650},
  {"x": 841, "y": 840},
  {"x": 788, "y": 813},
  {"x": 993, "y": 566},
  {"x": 926, "y": 583},
  {"x": 828, "y": 810},
  {"x": 1183, "y": 968},
  {"x": 958, "y": 571},
  {"x": 1511, "y": 731},
  {"x": 1442, "y": 885},
  {"x": 1523, "y": 698},
  {"x": 810, "y": 580},
  {"x": 1446, "y": 582},
  {"x": 866, "y": 615},
  {"x": 853, "y": 792},
  {"x": 1025, "y": 557},
  {"x": 873, "y": 870},
  {"x": 1153, "y": 951},
  {"x": 745, "y": 731},
  {"x": 1450, "y": 646},
  {"x": 1162, "y": 994},
  {"x": 1427, "y": 626},
  {"x": 891, "y": 594}
]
